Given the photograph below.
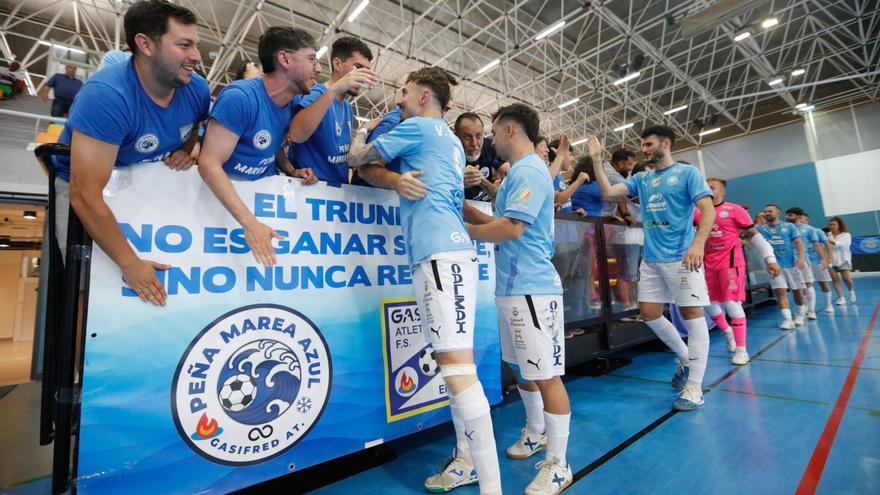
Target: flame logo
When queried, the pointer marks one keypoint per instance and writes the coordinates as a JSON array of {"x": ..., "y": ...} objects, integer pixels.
[
  {"x": 406, "y": 383},
  {"x": 206, "y": 428}
]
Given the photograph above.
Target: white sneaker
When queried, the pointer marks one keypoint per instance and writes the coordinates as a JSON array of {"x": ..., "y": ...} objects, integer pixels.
[
  {"x": 840, "y": 301},
  {"x": 691, "y": 397},
  {"x": 528, "y": 445},
  {"x": 454, "y": 473},
  {"x": 740, "y": 357},
  {"x": 786, "y": 325},
  {"x": 799, "y": 321},
  {"x": 731, "y": 342},
  {"x": 811, "y": 315},
  {"x": 852, "y": 296},
  {"x": 829, "y": 310},
  {"x": 552, "y": 478}
]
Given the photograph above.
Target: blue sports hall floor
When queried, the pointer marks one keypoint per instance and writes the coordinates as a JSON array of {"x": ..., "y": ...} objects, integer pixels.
[{"x": 802, "y": 417}]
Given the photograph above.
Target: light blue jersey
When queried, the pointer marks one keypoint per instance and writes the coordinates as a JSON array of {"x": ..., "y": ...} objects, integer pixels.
[
  {"x": 245, "y": 108},
  {"x": 326, "y": 151},
  {"x": 523, "y": 266},
  {"x": 781, "y": 236},
  {"x": 113, "y": 107},
  {"x": 433, "y": 224},
  {"x": 809, "y": 235},
  {"x": 667, "y": 197}
]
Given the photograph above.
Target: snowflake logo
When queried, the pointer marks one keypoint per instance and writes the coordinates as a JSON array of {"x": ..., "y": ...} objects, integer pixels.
[{"x": 303, "y": 405}]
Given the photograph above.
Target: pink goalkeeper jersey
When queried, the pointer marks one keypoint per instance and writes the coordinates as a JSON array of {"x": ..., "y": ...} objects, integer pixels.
[{"x": 723, "y": 248}]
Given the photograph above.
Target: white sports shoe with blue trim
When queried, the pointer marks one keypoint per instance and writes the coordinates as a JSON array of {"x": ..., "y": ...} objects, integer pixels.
[
  {"x": 691, "y": 397},
  {"x": 529, "y": 444},
  {"x": 455, "y": 472},
  {"x": 681, "y": 375},
  {"x": 552, "y": 478}
]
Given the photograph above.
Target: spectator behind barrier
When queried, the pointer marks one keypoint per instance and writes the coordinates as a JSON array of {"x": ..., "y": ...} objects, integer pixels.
[{"x": 66, "y": 87}]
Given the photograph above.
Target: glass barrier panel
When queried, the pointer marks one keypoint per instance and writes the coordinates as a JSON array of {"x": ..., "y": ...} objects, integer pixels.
[
  {"x": 575, "y": 260},
  {"x": 623, "y": 245},
  {"x": 757, "y": 268}
]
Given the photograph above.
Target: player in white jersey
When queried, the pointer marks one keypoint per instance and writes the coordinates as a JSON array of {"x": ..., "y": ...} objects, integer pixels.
[
  {"x": 528, "y": 293},
  {"x": 672, "y": 268},
  {"x": 444, "y": 266}
]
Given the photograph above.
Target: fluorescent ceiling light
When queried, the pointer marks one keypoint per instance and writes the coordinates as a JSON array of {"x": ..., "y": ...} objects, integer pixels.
[
  {"x": 626, "y": 78},
  {"x": 624, "y": 127},
  {"x": 769, "y": 22},
  {"x": 676, "y": 109},
  {"x": 742, "y": 35},
  {"x": 489, "y": 66},
  {"x": 798, "y": 72},
  {"x": 569, "y": 103},
  {"x": 550, "y": 30},
  {"x": 710, "y": 131},
  {"x": 580, "y": 141},
  {"x": 808, "y": 108},
  {"x": 357, "y": 10},
  {"x": 800, "y": 106},
  {"x": 776, "y": 82},
  {"x": 321, "y": 51},
  {"x": 61, "y": 47}
]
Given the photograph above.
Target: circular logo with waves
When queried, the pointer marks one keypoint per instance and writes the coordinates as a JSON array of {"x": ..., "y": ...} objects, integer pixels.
[
  {"x": 251, "y": 385},
  {"x": 870, "y": 245}
]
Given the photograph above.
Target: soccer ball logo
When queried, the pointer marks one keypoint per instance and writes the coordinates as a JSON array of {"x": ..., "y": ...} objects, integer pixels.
[
  {"x": 427, "y": 363},
  {"x": 237, "y": 393}
]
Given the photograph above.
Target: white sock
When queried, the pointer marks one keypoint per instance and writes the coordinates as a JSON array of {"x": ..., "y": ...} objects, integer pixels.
[
  {"x": 811, "y": 298},
  {"x": 786, "y": 314},
  {"x": 665, "y": 331},
  {"x": 827, "y": 296},
  {"x": 534, "y": 410},
  {"x": 698, "y": 349},
  {"x": 801, "y": 310},
  {"x": 472, "y": 407},
  {"x": 461, "y": 444},
  {"x": 557, "y": 435}
]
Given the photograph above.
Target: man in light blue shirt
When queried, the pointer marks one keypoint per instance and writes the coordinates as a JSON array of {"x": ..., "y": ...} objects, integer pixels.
[
  {"x": 322, "y": 128},
  {"x": 812, "y": 242},
  {"x": 528, "y": 293},
  {"x": 672, "y": 268},
  {"x": 249, "y": 123},
  {"x": 445, "y": 265},
  {"x": 789, "y": 250},
  {"x": 820, "y": 260}
]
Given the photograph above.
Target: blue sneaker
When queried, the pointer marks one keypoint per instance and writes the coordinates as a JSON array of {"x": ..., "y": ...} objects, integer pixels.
[
  {"x": 681, "y": 375},
  {"x": 691, "y": 398}
]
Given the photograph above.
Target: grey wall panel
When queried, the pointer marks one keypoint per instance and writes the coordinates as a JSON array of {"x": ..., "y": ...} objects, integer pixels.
[
  {"x": 835, "y": 134},
  {"x": 868, "y": 119},
  {"x": 769, "y": 150}
]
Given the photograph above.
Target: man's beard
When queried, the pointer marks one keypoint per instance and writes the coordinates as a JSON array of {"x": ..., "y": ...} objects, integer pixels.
[{"x": 472, "y": 158}]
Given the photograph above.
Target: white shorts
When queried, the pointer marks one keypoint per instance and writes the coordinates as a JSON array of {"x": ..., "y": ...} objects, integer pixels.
[
  {"x": 446, "y": 291},
  {"x": 532, "y": 334},
  {"x": 820, "y": 274},
  {"x": 807, "y": 274},
  {"x": 666, "y": 283},
  {"x": 789, "y": 278}
]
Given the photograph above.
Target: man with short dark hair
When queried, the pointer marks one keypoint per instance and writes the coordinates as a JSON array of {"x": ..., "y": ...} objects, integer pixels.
[
  {"x": 479, "y": 153},
  {"x": 144, "y": 110},
  {"x": 249, "y": 123},
  {"x": 66, "y": 87},
  {"x": 814, "y": 248},
  {"x": 788, "y": 248},
  {"x": 527, "y": 284},
  {"x": 623, "y": 161},
  {"x": 322, "y": 128},
  {"x": 444, "y": 265},
  {"x": 672, "y": 266}
]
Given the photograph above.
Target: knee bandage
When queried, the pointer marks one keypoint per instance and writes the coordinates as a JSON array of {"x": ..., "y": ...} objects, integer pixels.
[
  {"x": 458, "y": 377},
  {"x": 734, "y": 309}
]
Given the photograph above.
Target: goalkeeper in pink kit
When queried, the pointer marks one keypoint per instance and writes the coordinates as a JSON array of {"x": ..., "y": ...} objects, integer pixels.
[{"x": 726, "y": 267}]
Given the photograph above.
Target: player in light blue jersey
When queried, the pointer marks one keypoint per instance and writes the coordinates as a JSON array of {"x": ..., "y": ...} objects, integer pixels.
[
  {"x": 249, "y": 124},
  {"x": 444, "y": 265},
  {"x": 789, "y": 250},
  {"x": 321, "y": 130},
  {"x": 386, "y": 123},
  {"x": 528, "y": 293},
  {"x": 820, "y": 260},
  {"x": 144, "y": 110},
  {"x": 814, "y": 244},
  {"x": 672, "y": 267}
]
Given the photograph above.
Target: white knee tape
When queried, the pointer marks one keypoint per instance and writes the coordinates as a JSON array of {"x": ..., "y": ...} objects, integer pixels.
[
  {"x": 447, "y": 370},
  {"x": 714, "y": 309},
  {"x": 734, "y": 309}
]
